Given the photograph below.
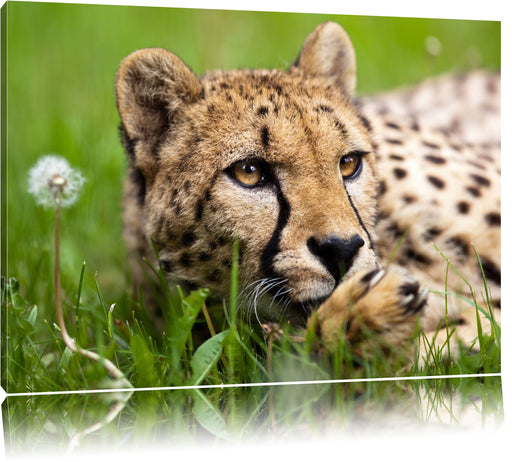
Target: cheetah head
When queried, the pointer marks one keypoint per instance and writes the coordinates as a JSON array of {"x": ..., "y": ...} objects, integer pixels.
[{"x": 280, "y": 161}]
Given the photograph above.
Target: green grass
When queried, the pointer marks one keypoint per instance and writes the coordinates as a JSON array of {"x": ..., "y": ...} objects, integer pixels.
[
  {"x": 174, "y": 363},
  {"x": 61, "y": 65}
]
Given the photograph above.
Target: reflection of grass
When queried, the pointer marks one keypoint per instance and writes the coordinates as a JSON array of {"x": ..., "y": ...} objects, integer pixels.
[
  {"x": 61, "y": 65},
  {"x": 302, "y": 412}
]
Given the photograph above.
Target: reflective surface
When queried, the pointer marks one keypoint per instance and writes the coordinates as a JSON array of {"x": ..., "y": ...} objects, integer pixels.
[{"x": 56, "y": 424}]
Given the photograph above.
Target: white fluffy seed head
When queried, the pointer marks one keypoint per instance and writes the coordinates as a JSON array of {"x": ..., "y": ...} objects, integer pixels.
[{"x": 53, "y": 182}]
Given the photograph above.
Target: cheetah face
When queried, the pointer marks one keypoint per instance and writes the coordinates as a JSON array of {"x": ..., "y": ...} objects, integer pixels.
[{"x": 279, "y": 161}]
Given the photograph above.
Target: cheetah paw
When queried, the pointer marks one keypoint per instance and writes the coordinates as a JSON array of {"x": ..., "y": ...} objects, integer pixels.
[{"x": 377, "y": 307}]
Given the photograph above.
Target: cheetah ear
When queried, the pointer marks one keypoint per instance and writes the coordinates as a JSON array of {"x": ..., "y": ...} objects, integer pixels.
[
  {"x": 328, "y": 53},
  {"x": 152, "y": 86}
]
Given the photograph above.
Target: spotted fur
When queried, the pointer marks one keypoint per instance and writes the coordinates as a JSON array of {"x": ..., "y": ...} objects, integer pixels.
[{"x": 427, "y": 172}]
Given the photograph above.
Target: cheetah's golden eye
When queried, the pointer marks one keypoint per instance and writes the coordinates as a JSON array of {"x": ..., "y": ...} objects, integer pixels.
[
  {"x": 350, "y": 165},
  {"x": 249, "y": 173}
]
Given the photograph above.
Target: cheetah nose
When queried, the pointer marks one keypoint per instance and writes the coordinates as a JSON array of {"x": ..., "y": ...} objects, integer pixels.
[{"x": 336, "y": 254}]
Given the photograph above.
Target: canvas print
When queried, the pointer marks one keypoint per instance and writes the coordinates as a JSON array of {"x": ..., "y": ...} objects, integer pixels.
[{"x": 224, "y": 225}]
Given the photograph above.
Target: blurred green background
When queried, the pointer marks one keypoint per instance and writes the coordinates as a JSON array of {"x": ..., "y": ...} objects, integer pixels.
[{"x": 62, "y": 59}]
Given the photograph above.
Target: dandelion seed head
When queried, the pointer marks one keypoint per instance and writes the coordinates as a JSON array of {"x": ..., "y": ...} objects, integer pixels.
[{"x": 53, "y": 182}]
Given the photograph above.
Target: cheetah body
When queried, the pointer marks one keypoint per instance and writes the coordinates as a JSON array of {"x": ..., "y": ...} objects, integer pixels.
[{"x": 320, "y": 189}]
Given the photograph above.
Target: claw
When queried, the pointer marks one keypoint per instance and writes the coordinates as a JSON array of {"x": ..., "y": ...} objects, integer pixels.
[
  {"x": 415, "y": 302},
  {"x": 407, "y": 300},
  {"x": 371, "y": 279},
  {"x": 423, "y": 295},
  {"x": 376, "y": 277}
]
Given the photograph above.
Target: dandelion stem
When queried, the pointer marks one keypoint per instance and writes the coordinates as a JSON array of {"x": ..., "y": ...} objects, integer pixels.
[
  {"x": 69, "y": 342},
  {"x": 58, "y": 302}
]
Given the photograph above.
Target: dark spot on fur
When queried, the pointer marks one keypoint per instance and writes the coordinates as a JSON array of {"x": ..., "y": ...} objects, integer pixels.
[
  {"x": 415, "y": 126},
  {"x": 463, "y": 207},
  {"x": 382, "y": 110},
  {"x": 166, "y": 266},
  {"x": 204, "y": 256},
  {"x": 324, "y": 108},
  {"x": 492, "y": 86},
  {"x": 437, "y": 182},
  {"x": 277, "y": 88},
  {"x": 185, "y": 260},
  {"x": 473, "y": 191},
  {"x": 262, "y": 110},
  {"x": 188, "y": 238},
  {"x": 265, "y": 136},
  {"x": 392, "y": 125},
  {"x": 128, "y": 143},
  {"x": 396, "y": 157},
  {"x": 226, "y": 263},
  {"x": 365, "y": 122},
  {"x": 481, "y": 180},
  {"x": 341, "y": 128},
  {"x": 431, "y": 233},
  {"x": 139, "y": 182},
  {"x": 213, "y": 245},
  {"x": 215, "y": 276},
  {"x": 491, "y": 271},
  {"x": 394, "y": 141},
  {"x": 395, "y": 231},
  {"x": 382, "y": 187},
  {"x": 399, "y": 173},
  {"x": 493, "y": 218},
  {"x": 435, "y": 159},
  {"x": 199, "y": 210},
  {"x": 409, "y": 199},
  {"x": 418, "y": 257},
  {"x": 382, "y": 215},
  {"x": 174, "y": 196},
  {"x": 169, "y": 234},
  {"x": 431, "y": 145},
  {"x": 476, "y": 164},
  {"x": 190, "y": 286},
  {"x": 459, "y": 244},
  {"x": 155, "y": 149}
]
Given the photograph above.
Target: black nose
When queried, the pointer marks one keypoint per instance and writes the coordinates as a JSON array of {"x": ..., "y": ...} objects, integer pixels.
[{"x": 336, "y": 254}]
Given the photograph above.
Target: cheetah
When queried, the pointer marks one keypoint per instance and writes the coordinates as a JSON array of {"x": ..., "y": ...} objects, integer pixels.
[{"x": 335, "y": 201}]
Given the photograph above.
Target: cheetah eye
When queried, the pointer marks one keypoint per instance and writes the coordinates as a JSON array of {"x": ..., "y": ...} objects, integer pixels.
[
  {"x": 249, "y": 173},
  {"x": 350, "y": 165}
]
